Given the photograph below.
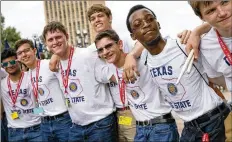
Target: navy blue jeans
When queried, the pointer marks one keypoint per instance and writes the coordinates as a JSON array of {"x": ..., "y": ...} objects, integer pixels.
[
  {"x": 103, "y": 130},
  {"x": 31, "y": 134},
  {"x": 56, "y": 129},
  {"x": 214, "y": 126},
  {"x": 4, "y": 129},
  {"x": 166, "y": 132}
]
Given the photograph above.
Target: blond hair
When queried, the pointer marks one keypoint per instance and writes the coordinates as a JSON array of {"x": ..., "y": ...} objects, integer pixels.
[{"x": 196, "y": 6}]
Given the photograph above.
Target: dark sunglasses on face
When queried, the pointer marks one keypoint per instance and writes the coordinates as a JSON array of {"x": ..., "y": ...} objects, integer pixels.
[
  {"x": 5, "y": 64},
  {"x": 107, "y": 47}
]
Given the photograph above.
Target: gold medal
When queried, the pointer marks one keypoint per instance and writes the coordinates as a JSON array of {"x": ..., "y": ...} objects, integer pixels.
[
  {"x": 67, "y": 102},
  {"x": 14, "y": 115},
  {"x": 124, "y": 120}
]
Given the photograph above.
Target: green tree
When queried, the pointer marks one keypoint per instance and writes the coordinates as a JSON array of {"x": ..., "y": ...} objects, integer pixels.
[
  {"x": 2, "y": 22},
  {"x": 9, "y": 33}
]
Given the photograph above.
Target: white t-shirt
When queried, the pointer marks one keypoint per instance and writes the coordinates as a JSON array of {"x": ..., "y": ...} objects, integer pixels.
[
  {"x": 214, "y": 59},
  {"x": 114, "y": 88},
  {"x": 24, "y": 104},
  {"x": 3, "y": 73},
  {"x": 143, "y": 96},
  {"x": 87, "y": 89},
  {"x": 128, "y": 45},
  {"x": 192, "y": 97},
  {"x": 50, "y": 95}
]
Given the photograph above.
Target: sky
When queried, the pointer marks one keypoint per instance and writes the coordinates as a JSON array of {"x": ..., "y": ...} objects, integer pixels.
[{"x": 174, "y": 16}]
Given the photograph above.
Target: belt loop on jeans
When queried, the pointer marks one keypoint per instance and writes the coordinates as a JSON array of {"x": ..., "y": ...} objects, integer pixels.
[
  {"x": 221, "y": 109},
  {"x": 146, "y": 123},
  {"x": 49, "y": 118}
]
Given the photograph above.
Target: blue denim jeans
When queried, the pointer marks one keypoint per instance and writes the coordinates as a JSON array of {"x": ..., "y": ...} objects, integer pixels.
[
  {"x": 165, "y": 132},
  {"x": 215, "y": 128},
  {"x": 4, "y": 129},
  {"x": 31, "y": 134},
  {"x": 56, "y": 129},
  {"x": 103, "y": 130}
]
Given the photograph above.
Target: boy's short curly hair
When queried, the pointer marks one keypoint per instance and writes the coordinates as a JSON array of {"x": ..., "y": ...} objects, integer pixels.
[{"x": 98, "y": 8}]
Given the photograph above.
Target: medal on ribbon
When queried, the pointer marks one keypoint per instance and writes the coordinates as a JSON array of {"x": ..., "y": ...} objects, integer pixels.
[
  {"x": 14, "y": 114},
  {"x": 65, "y": 77}
]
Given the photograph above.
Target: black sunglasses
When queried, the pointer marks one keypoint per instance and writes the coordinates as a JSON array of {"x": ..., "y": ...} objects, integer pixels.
[{"x": 107, "y": 47}]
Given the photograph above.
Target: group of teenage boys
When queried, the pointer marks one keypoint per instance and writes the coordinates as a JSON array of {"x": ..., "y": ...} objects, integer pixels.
[{"x": 109, "y": 92}]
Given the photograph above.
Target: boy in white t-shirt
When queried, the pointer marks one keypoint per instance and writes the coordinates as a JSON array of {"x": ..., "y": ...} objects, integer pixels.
[
  {"x": 151, "y": 112},
  {"x": 192, "y": 99},
  {"x": 83, "y": 79},
  {"x": 216, "y": 63},
  {"x": 4, "y": 129},
  {"x": 55, "y": 118},
  {"x": 100, "y": 18},
  {"x": 218, "y": 15},
  {"x": 18, "y": 101}
]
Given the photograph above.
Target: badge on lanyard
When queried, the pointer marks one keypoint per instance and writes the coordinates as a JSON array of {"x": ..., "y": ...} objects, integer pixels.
[
  {"x": 67, "y": 102},
  {"x": 124, "y": 120},
  {"x": 14, "y": 115},
  {"x": 38, "y": 110},
  {"x": 65, "y": 76}
]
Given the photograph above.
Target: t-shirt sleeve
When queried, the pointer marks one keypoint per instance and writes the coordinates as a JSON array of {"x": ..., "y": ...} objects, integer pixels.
[
  {"x": 3, "y": 73},
  {"x": 144, "y": 56},
  {"x": 128, "y": 44},
  {"x": 92, "y": 47},
  {"x": 103, "y": 71},
  {"x": 211, "y": 73}
]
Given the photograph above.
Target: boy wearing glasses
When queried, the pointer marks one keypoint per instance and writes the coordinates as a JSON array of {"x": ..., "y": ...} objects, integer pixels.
[
  {"x": 50, "y": 105},
  {"x": 151, "y": 111},
  {"x": 18, "y": 101},
  {"x": 83, "y": 78},
  {"x": 100, "y": 18},
  {"x": 192, "y": 99}
]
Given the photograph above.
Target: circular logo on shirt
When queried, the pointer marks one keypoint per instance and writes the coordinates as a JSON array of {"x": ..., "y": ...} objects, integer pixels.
[
  {"x": 41, "y": 91},
  {"x": 73, "y": 87},
  {"x": 23, "y": 102},
  {"x": 172, "y": 89},
  {"x": 134, "y": 94}
]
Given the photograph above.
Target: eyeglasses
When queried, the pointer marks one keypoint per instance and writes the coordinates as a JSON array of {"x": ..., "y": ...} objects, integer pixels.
[
  {"x": 107, "y": 47},
  {"x": 138, "y": 24},
  {"x": 23, "y": 51},
  {"x": 5, "y": 64}
]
